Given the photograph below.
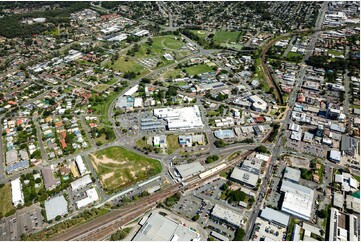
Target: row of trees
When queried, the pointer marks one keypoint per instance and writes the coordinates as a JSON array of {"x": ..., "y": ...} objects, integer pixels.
[{"x": 211, "y": 159}]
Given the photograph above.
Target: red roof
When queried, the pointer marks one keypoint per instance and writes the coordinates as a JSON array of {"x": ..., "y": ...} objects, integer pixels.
[
  {"x": 259, "y": 119},
  {"x": 19, "y": 121},
  {"x": 63, "y": 143},
  {"x": 58, "y": 124},
  {"x": 92, "y": 125},
  {"x": 63, "y": 134}
]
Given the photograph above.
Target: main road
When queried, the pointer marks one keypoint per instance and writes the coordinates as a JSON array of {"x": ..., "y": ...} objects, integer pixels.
[{"x": 278, "y": 146}]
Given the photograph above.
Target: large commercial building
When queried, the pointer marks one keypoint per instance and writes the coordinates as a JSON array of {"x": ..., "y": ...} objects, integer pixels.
[
  {"x": 258, "y": 104},
  {"x": 17, "y": 193},
  {"x": 81, "y": 182},
  {"x": 161, "y": 228},
  {"x": 248, "y": 173},
  {"x": 92, "y": 196},
  {"x": 227, "y": 215},
  {"x": 56, "y": 206},
  {"x": 292, "y": 174},
  {"x": 187, "y": 170},
  {"x": 348, "y": 183},
  {"x": 298, "y": 200},
  {"x": 348, "y": 145},
  {"x": 343, "y": 227},
  {"x": 335, "y": 156},
  {"x": 224, "y": 134},
  {"x": 275, "y": 217},
  {"x": 180, "y": 118},
  {"x": 244, "y": 177},
  {"x": 11, "y": 157}
]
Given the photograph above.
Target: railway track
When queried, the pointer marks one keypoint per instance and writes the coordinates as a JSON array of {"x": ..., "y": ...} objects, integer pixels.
[
  {"x": 107, "y": 224},
  {"x": 269, "y": 78}
]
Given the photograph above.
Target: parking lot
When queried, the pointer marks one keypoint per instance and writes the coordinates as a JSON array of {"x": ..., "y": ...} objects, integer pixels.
[
  {"x": 129, "y": 121},
  {"x": 263, "y": 229},
  {"x": 312, "y": 149},
  {"x": 212, "y": 189},
  {"x": 26, "y": 220},
  {"x": 189, "y": 206},
  {"x": 221, "y": 227},
  {"x": 273, "y": 196}
]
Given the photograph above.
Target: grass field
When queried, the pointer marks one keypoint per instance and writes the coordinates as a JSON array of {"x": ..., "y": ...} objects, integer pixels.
[
  {"x": 232, "y": 46},
  {"x": 160, "y": 46},
  {"x": 118, "y": 168},
  {"x": 173, "y": 73},
  {"x": 5, "y": 199},
  {"x": 198, "y": 69},
  {"x": 200, "y": 33},
  {"x": 179, "y": 84},
  {"x": 335, "y": 52},
  {"x": 226, "y": 36},
  {"x": 100, "y": 87},
  {"x": 122, "y": 65},
  {"x": 102, "y": 108},
  {"x": 293, "y": 54},
  {"x": 172, "y": 143},
  {"x": 112, "y": 81},
  {"x": 142, "y": 144}
]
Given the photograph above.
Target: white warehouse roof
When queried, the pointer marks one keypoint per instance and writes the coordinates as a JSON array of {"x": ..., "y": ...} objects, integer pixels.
[
  {"x": 298, "y": 200},
  {"x": 258, "y": 103},
  {"x": 80, "y": 164},
  {"x": 17, "y": 193},
  {"x": 180, "y": 118},
  {"x": 186, "y": 170},
  {"x": 244, "y": 176},
  {"x": 275, "y": 216},
  {"x": 131, "y": 91},
  {"x": 81, "y": 182},
  {"x": 92, "y": 196},
  {"x": 56, "y": 206},
  {"x": 161, "y": 228},
  {"x": 227, "y": 215}
]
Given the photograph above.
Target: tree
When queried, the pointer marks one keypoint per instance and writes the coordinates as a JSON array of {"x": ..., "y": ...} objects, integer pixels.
[
  {"x": 195, "y": 217},
  {"x": 237, "y": 196},
  {"x": 172, "y": 91},
  {"x": 119, "y": 235},
  {"x": 219, "y": 143},
  {"x": 238, "y": 236},
  {"x": 211, "y": 159},
  {"x": 262, "y": 149},
  {"x": 322, "y": 213},
  {"x": 38, "y": 180},
  {"x": 224, "y": 187},
  {"x": 57, "y": 218}
]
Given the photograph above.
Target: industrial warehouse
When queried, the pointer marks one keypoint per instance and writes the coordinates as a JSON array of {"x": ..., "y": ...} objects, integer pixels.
[{"x": 159, "y": 228}]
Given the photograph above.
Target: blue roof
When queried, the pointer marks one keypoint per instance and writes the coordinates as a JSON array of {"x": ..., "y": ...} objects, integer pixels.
[
  {"x": 19, "y": 165},
  {"x": 223, "y": 134}
]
